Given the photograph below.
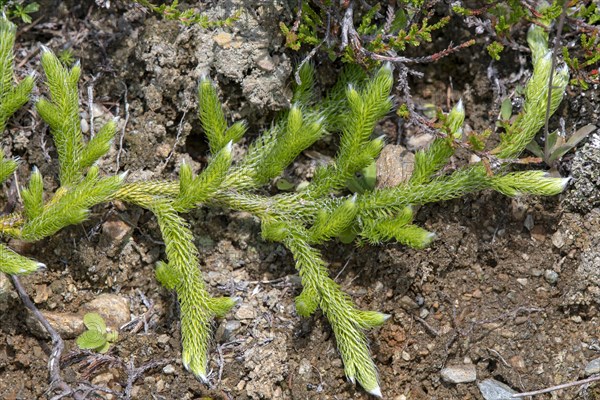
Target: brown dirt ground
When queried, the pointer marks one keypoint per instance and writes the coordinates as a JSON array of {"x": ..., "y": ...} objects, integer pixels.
[{"x": 480, "y": 294}]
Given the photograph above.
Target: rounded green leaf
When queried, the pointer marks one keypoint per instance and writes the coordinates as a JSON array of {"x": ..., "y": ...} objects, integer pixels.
[
  {"x": 94, "y": 322},
  {"x": 90, "y": 340}
]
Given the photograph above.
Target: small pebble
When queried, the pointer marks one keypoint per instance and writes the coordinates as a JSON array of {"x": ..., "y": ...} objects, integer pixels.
[
  {"x": 517, "y": 362},
  {"x": 522, "y": 281},
  {"x": 85, "y": 127},
  {"x": 163, "y": 339},
  {"x": 529, "y": 223},
  {"x": 536, "y": 272},
  {"x": 223, "y": 39},
  {"x": 305, "y": 368},
  {"x": 246, "y": 311},
  {"x": 551, "y": 276},
  {"x": 459, "y": 373},
  {"x": 116, "y": 230},
  {"x": 169, "y": 369},
  {"x": 558, "y": 239},
  {"x": 593, "y": 367},
  {"x": 408, "y": 304},
  {"x": 491, "y": 389},
  {"x": 226, "y": 330}
]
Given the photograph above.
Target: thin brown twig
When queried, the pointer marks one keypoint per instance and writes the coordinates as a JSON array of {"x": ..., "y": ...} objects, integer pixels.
[
  {"x": 559, "y": 29},
  {"x": 420, "y": 60},
  {"x": 591, "y": 379},
  {"x": 122, "y": 135},
  {"x": 28, "y": 57},
  {"x": 177, "y": 138},
  {"x": 432, "y": 331},
  {"x": 312, "y": 53},
  {"x": 56, "y": 381}
]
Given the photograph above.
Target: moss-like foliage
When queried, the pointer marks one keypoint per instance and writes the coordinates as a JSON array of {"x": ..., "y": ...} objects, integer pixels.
[{"x": 301, "y": 220}]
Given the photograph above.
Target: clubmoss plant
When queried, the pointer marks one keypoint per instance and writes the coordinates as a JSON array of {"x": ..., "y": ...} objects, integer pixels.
[{"x": 301, "y": 220}]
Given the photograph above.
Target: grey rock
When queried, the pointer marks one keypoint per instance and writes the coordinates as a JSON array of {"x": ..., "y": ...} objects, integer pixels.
[
  {"x": 113, "y": 308},
  {"x": 584, "y": 193},
  {"x": 226, "y": 330},
  {"x": 168, "y": 369},
  {"x": 459, "y": 373},
  {"x": 246, "y": 311},
  {"x": 593, "y": 367},
  {"x": 558, "y": 240},
  {"x": 116, "y": 230},
  {"x": 163, "y": 339},
  {"x": 67, "y": 325},
  {"x": 551, "y": 276},
  {"x": 408, "y": 304},
  {"x": 305, "y": 368},
  {"x": 85, "y": 127},
  {"x": 394, "y": 166},
  {"x": 265, "y": 61},
  {"x": 491, "y": 389},
  {"x": 529, "y": 222}
]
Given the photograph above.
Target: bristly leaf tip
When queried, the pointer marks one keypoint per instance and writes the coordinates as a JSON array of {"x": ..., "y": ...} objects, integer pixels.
[
  {"x": 430, "y": 237},
  {"x": 547, "y": 56},
  {"x": 45, "y": 49},
  {"x": 202, "y": 378},
  {"x": 376, "y": 391},
  {"x": 562, "y": 183},
  {"x": 563, "y": 69},
  {"x": 380, "y": 139}
]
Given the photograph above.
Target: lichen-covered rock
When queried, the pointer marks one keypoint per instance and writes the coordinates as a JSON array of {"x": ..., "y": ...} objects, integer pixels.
[{"x": 585, "y": 170}]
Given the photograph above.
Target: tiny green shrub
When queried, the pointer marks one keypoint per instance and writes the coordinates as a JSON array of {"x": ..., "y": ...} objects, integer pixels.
[
  {"x": 96, "y": 337},
  {"x": 380, "y": 30},
  {"x": 19, "y": 9},
  {"x": 187, "y": 16},
  {"x": 301, "y": 220}
]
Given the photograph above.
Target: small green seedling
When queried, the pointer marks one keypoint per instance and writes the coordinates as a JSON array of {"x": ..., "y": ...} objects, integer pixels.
[
  {"x": 557, "y": 144},
  {"x": 19, "y": 10},
  {"x": 96, "y": 338}
]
